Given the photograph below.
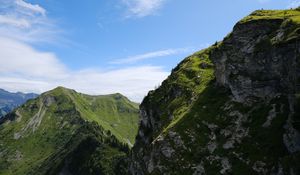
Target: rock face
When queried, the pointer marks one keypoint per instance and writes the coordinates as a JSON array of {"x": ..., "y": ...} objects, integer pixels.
[
  {"x": 255, "y": 61},
  {"x": 233, "y": 108}
]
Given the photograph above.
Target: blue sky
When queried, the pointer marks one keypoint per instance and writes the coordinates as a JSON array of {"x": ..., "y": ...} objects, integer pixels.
[{"x": 107, "y": 46}]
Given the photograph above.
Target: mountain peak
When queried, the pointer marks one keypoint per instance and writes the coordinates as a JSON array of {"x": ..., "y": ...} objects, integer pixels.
[
  {"x": 60, "y": 89},
  {"x": 63, "y": 124},
  {"x": 232, "y": 108}
]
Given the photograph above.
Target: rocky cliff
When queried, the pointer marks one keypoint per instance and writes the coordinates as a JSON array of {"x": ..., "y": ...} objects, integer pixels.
[{"x": 232, "y": 108}]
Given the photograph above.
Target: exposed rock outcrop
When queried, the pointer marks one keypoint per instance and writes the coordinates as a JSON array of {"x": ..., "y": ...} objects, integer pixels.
[{"x": 230, "y": 109}]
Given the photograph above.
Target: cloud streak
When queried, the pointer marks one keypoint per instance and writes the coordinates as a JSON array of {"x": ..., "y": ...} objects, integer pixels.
[
  {"x": 13, "y": 21},
  {"x": 151, "y": 55},
  {"x": 142, "y": 8}
]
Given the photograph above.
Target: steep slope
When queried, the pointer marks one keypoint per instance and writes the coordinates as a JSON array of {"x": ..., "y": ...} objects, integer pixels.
[
  {"x": 230, "y": 109},
  {"x": 66, "y": 132},
  {"x": 9, "y": 101}
]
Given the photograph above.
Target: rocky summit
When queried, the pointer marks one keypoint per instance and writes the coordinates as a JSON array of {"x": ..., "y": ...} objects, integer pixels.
[{"x": 233, "y": 108}]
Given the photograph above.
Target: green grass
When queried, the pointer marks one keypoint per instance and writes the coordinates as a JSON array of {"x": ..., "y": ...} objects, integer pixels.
[
  {"x": 188, "y": 79},
  {"x": 113, "y": 112},
  {"x": 293, "y": 14}
]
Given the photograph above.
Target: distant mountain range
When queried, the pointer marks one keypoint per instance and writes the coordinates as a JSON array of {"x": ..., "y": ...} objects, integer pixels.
[{"x": 9, "y": 101}]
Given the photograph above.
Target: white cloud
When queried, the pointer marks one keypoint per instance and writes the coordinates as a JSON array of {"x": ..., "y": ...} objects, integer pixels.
[
  {"x": 142, "y": 8},
  {"x": 33, "y": 8},
  {"x": 294, "y": 4},
  {"x": 20, "y": 58},
  {"x": 155, "y": 54},
  {"x": 26, "y": 22},
  {"x": 23, "y": 68},
  {"x": 133, "y": 82},
  {"x": 15, "y": 84}
]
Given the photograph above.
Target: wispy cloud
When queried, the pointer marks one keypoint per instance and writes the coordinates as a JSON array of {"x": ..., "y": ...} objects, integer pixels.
[
  {"x": 142, "y": 8},
  {"x": 13, "y": 21},
  {"x": 32, "y": 8},
  {"x": 294, "y": 4},
  {"x": 26, "y": 22},
  {"x": 151, "y": 55}
]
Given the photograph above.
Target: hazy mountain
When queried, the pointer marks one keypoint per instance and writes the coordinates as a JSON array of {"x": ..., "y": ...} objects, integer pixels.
[{"x": 9, "y": 101}]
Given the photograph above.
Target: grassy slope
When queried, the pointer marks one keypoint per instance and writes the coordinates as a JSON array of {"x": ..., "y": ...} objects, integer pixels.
[
  {"x": 59, "y": 124},
  {"x": 113, "y": 112},
  {"x": 189, "y": 78}
]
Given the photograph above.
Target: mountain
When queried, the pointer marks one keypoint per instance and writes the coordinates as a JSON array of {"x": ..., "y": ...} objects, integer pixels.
[
  {"x": 65, "y": 132},
  {"x": 9, "y": 101},
  {"x": 233, "y": 108}
]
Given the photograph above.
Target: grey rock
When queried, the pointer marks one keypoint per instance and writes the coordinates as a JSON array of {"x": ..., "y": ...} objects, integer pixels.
[
  {"x": 226, "y": 166},
  {"x": 271, "y": 116},
  {"x": 199, "y": 169},
  {"x": 167, "y": 151}
]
